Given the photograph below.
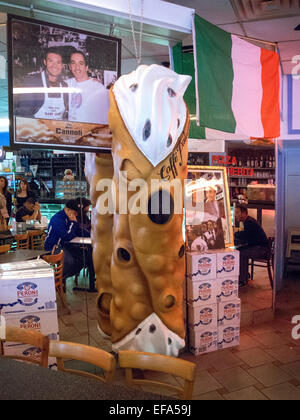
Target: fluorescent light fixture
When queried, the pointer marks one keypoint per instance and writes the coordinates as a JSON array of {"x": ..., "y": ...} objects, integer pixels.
[
  {"x": 44, "y": 90},
  {"x": 4, "y": 125}
]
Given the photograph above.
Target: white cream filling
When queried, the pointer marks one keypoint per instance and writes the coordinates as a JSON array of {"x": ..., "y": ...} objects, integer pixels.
[
  {"x": 150, "y": 101},
  {"x": 151, "y": 336}
]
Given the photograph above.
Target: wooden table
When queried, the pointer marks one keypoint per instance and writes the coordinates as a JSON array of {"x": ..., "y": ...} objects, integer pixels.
[
  {"x": 22, "y": 381},
  {"x": 21, "y": 255}
]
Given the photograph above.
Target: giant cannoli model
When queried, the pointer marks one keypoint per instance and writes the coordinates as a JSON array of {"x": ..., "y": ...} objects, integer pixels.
[
  {"x": 99, "y": 167},
  {"x": 150, "y": 124}
]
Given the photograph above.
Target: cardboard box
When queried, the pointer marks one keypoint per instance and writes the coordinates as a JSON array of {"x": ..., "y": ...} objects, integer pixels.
[
  {"x": 201, "y": 266},
  {"x": 27, "y": 291},
  {"x": 228, "y": 336},
  {"x": 227, "y": 289},
  {"x": 202, "y": 292},
  {"x": 229, "y": 313},
  {"x": 203, "y": 341},
  {"x": 228, "y": 263},
  {"x": 203, "y": 317},
  {"x": 27, "y": 350},
  {"x": 44, "y": 322}
]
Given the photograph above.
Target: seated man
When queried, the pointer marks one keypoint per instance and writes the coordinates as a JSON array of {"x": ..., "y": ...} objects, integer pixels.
[
  {"x": 64, "y": 227},
  {"x": 31, "y": 210},
  {"x": 253, "y": 239}
]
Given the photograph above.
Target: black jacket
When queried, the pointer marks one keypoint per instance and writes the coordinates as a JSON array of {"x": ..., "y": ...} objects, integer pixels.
[
  {"x": 252, "y": 235},
  {"x": 27, "y": 105}
]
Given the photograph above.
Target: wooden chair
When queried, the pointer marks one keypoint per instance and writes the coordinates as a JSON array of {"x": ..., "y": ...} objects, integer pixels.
[
  {"x": 159, "y": 363},
  {"x": 22, "y": 241},
  {"x": 57, "y": 262},
  {"x": 4, "y": 248},
  {"x": 33, "y": 338},
  {"x": 37, "y": 239},
  {"x": 267, "y": 261},
  {"x": 100, "y": 358}
]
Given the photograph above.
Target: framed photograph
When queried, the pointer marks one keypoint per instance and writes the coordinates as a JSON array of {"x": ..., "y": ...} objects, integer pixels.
[
  {"x": 207, "y": 209},
  {"x": 59, "y": 83}
]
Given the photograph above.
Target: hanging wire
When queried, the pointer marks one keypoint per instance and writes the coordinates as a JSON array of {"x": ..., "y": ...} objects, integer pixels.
[{"x": 138, "y": 54}]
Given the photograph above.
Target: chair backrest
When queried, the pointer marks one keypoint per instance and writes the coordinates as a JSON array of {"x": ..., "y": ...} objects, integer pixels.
[
  {"x": 4, "y": 248},
  {"x": 157, "y": 362},
  {"x": 37, "y": 239},
  {"x": 22, "y": 241},
  {"x": 39, "y": 352},
  {"x": 57, "y": 262},
  {"x": 64, "y": 350},
  {"x": 271, "y": 246}
]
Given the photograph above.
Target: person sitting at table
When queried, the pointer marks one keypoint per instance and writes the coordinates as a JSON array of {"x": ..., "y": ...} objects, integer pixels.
[
  {"x": 31, "y": 210},
  {"x": 64, "y": 227},
  {"x": 252, "y": 241},
  {"x": 23, "y": 192}
]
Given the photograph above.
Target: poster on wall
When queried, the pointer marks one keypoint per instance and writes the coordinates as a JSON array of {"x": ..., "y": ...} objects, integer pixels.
[
  {"x": 60, "y": 78},
  {"x": 207, "y": 209}
]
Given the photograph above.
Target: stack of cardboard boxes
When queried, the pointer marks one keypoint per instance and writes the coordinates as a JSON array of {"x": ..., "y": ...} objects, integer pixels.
[
  {"x": 213, "y": 306},
  {"x": 28, "y": 300}
]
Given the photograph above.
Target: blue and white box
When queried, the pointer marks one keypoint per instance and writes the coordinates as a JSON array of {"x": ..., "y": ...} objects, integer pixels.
[
  {"x": 229, "y": 313},
  {"x": 227, "y": 289},
  {"x": 228, "y": 263},
  {"x": 201, "y": 266},
  {"x": 201, "y": 293},
  {"x": 27, "y": 291},
  {"x": 203, "y": 341},
  {"x": 228, "y": 336},
  {"x": 203, "y": 317}
]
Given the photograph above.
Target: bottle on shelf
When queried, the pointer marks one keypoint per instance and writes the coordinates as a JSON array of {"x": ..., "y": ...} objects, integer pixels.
[
  {"x": 261, "y": 164},
  {"x": 240, "y": 162},
  {"x": 252, "y": 162},
  {"x": 256, "y": 162},
  {"x": 248, "y": 161},
  {"x": 271, "y": 162}
]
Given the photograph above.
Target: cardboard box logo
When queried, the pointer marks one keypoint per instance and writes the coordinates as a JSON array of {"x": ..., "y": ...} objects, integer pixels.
[
  {"x": 229, "y": 335},
  {"x": 230, "y": 311},
  {"x": 207, "y": 339},
  {"x": 32, "y": 353},
  {"x": 206, "y": 316},
  {"x": 204, "y": 266},
  {"x": 205, "y": 291},
  {"x": 27, "y": 294},
  {"x": 227, "y": 288},
  {"x": 30, "y": 322},
  {"x": 2, "y": 328},
  {"x": 228, "y": 263}
]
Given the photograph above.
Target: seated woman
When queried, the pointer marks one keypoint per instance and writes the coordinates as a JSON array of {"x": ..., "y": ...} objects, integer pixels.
[
  {"x": 30, "y": 211},
  {"x": 23, "y": 193}
]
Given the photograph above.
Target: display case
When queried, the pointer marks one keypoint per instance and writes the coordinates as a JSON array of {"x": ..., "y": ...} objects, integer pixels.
[
  {"x": 70, "y": 189},
  {"x": 261, "y": 192}
]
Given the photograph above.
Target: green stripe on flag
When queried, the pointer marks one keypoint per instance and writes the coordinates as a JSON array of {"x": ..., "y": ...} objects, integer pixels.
[
  {"x": 215, "y": 76},
  {"x": 184, "y": 64}
]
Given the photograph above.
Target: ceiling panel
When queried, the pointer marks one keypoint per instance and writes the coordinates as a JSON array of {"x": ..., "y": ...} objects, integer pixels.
[
  {"x": 274, "y": 29},
  {"x": 216, "y": 11}
]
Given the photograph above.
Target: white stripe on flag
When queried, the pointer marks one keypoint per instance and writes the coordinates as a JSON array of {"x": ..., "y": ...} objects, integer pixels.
[{"x": 247, "y": 88}]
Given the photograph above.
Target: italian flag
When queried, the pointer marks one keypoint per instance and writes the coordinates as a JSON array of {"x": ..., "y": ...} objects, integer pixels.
[{"x": 237, "y": 85}]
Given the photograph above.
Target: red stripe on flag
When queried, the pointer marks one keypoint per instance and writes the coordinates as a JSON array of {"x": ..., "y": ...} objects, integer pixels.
[{"x": 270, "y": 109}]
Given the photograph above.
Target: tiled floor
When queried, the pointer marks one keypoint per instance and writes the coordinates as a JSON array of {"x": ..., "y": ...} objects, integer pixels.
[{"x": 266, "y": 365}]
